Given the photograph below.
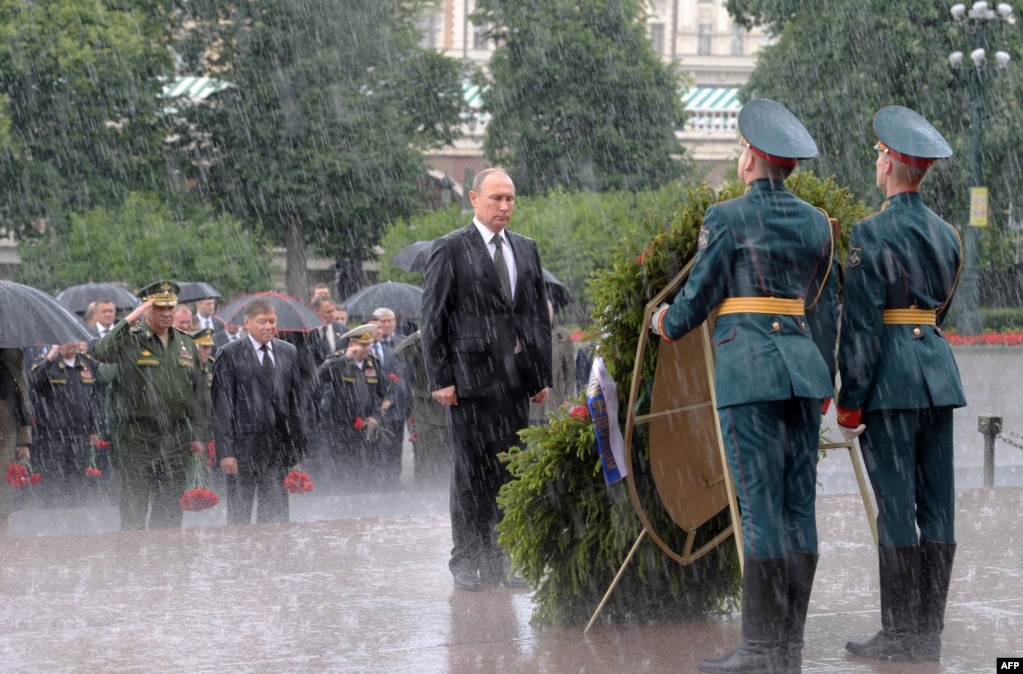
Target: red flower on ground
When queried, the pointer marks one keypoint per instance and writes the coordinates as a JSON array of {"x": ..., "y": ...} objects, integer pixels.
[
  {"x": 298, "y": 482},
  {"x": 17, "y": 475},
  {"x": 194, "y": 500},
  {"x": 359, "y": 423},
  {"x": 93, "y": 472},
  {"x": 580, "y": 413}
]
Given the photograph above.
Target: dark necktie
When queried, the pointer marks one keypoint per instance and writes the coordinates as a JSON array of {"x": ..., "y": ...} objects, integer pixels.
[
  {"x": 268, "y": 365},
  {"x": 502, "y": 268}
]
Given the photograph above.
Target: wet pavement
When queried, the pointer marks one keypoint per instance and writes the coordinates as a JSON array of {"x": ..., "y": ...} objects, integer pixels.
[
  {"x": 373, "y": 594},
  {"x": 358, "y": 582}
]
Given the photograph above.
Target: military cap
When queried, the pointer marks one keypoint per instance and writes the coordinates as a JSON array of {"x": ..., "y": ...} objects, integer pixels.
[
  {"x": 163, "y": 293},
  {"x": 203, "y": 337},
  {"x": 774, "y": 134},
  {"x": 904, "y": 135},
  {"x": 362, "y": 334}
]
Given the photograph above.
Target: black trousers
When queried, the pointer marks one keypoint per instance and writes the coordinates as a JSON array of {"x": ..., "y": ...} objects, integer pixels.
[
  {"x": 259, "y": 479},
  {"x": 480, "y": 430}
]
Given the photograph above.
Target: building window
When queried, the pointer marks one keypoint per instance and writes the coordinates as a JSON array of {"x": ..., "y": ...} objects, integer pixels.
[
  {"x": 479, "y": 37},
  {"x": 430, "y": 28},
  {"x": 738, "y": 40},
  {"x": 657, "y": 37},
  {"x": 703, "y": 40}
]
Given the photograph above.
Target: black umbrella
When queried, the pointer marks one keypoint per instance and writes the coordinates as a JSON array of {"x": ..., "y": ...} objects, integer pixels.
[
  {"x": 30, "y": 317},
  {"x": 193, "y": 291},
  {"x": 402, "y": 298},
  {"x": 413, "y": 256},
  {"x": 557, "y": 293},
  {"x": 78, "y": 298},
  {"x": 292, "y": 315}
]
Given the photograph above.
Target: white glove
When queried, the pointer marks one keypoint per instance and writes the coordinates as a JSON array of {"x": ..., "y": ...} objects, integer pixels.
[
  {"x": 655, "y": 320},
  {"x": 851, "y": 434}
]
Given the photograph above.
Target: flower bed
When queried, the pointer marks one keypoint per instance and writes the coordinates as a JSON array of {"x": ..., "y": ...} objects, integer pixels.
[{"x": 986, "y": 339}]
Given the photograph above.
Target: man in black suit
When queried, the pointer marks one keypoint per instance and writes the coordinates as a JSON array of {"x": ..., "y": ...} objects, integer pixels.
[
  {"x": 487, "y": 340},
  {"x": 258, "y": 424},
  {"x": 326, "y": 341}
]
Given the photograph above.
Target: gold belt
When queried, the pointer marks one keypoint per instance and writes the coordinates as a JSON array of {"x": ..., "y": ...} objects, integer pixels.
[
  {"x": 761, "y": 305},
  {"x": 910, "y": 317}
]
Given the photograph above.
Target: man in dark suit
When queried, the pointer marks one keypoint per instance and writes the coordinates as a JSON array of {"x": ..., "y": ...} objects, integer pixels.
[
  {"x": 326, "y": 341},
  {"x": 487, "y": 341},
  {"x": 258, "y": 425},
  {"x": 396, "y": 391}
]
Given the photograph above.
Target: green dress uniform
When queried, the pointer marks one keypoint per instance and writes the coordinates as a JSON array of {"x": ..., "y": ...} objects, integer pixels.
[
  {"x": 900, "y": 379},
  {"x": 432, "y": 446},
  {"x": 161, "y": 403},
  {"x": 764, "y": 262}
]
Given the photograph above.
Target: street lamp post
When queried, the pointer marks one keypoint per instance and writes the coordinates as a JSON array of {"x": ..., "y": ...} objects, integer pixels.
[{"x": 977, "y": 18}]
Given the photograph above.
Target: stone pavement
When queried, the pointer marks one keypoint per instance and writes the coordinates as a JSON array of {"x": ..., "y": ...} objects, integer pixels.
[{"x": 373, "y": 594}]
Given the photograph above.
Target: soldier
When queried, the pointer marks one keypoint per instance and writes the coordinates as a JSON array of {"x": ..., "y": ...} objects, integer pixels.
[
  {"x": 428, "y": 420},
  {"x": 900, "y": 384},
  {"x": 764, "y": 261},
  {"x": 161, "y": 408},
  {"x": 69, "y": 412},
  {"x": 352, "y": 401},
  {"x": 204, "y": 345}
]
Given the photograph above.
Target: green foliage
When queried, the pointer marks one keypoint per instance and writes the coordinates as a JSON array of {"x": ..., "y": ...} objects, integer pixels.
[
  {"x": 574, "y": 231},
  {"x": 835, "y": 75},
  {"x": 995, "y": 320},
  {"x": 577, "y": 97},
  {"x": 321, "y": 137},
  {"x": 145, "y": 240},
  {"x": 80, "y": 99},
  {"x": 567, "y": 533}
]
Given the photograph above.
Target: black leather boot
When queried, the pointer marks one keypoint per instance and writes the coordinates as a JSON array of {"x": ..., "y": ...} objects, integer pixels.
[
  {"x": 764, "y": 597},
  {"x": 900, "y": 607},
  {"x": 935, "y": 575},
  {"x": 801, "y": 569}
]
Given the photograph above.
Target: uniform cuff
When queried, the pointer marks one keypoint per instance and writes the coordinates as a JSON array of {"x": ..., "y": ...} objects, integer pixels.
[
  {"x": 849, "y": 418},
  {"x": 660, "y": 327},
  {"x": 825, "y": 406}
]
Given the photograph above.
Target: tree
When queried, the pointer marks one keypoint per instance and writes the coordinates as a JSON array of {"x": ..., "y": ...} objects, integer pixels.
[
  {"x": 577, "y": 97},
  {"x": 320, "y": 139},
  {"x": 79, "y": 86},
  {"x": 835, "y": 71},
  {"x": 144, "y": 240}
]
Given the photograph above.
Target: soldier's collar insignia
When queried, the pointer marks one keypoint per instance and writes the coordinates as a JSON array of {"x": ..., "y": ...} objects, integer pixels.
[
  {"x": 855, "y": 256},
  {"x": 147, "y": 352},
  {"x": 886, "y": 204}
]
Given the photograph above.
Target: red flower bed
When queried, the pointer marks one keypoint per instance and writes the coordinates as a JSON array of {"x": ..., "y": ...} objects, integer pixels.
[{"x": 986, "y": 339}]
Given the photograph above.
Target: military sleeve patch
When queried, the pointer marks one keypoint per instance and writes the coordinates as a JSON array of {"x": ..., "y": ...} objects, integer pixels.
[
  {"x": 855, "y": 257},
  {"x": 703, "y": 239}
]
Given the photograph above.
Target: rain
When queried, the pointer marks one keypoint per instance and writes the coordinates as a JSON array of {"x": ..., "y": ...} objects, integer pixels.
[{"x": 293, "y": 150}]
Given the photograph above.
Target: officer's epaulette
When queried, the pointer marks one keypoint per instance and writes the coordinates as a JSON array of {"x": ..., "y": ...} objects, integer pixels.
[{"x": 136, "y": 328}]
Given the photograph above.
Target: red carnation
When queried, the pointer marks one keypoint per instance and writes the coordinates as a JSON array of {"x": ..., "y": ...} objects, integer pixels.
[
  {"x": 393, "y": 377},
  {"x": 298, "y": 482},
  {"x": 198, "y": 499},
  {"x": 35, "y": 478},
  {"x": 92, "y": 471},
  {"x": 101, "y": 444},
  {"x": 580, "y": 413},
  {"x": 17, "y": 475},
  {"x": 359, "y": 423}
]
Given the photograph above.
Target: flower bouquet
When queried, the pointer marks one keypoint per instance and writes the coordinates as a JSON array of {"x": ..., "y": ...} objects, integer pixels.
[
  {"x": 19, "y": 474},
  {"x": 198, "y": 495},
  {"x": 298, "y": 482},
  {"x": 92, "y": 470}
]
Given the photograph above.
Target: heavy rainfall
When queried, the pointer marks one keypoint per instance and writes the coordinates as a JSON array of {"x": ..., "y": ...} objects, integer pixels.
[{"x": 263, "y": 364}]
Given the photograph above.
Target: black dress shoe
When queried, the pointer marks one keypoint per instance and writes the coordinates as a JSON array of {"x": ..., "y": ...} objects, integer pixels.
[{"x": 467, "y": 580}]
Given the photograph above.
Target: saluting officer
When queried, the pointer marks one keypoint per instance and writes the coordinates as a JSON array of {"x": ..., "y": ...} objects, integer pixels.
[
  {"x": 900, "y": 384},
  {"x": 764, "y": 261},
  {"x": 161, "y": 407},
  {"x": 352, "y": 391}
]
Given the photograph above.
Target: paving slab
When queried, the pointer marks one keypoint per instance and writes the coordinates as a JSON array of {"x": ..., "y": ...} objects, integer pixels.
[{"x": 373, "y": 594}]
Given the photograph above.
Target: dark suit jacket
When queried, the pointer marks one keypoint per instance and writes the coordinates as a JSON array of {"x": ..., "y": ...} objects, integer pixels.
[
  {"x": 320, "y": 346},
  {"x": 469, "y": 329},
  {"x": 245, "y": 409}
]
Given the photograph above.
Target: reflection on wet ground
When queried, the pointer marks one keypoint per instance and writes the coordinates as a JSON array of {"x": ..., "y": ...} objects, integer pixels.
[{"x": 373, "y": 594}]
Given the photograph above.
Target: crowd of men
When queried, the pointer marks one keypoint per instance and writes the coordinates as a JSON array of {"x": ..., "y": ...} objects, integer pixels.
[{"x": 118, "y": 417}]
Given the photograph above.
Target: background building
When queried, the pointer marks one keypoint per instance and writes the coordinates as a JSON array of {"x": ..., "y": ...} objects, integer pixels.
[{"x": 699, "y": 35}]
